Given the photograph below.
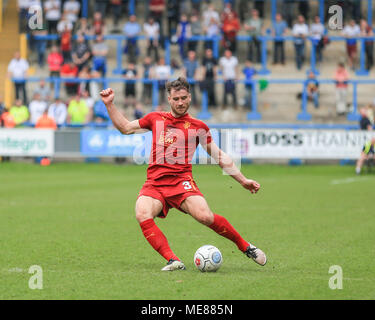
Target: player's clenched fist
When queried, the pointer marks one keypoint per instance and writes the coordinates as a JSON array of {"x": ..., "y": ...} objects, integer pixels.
[{"x": 107, "y": 95}]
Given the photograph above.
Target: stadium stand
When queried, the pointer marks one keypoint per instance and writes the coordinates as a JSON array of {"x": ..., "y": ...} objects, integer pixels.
[{"x": 279, "y": 92}]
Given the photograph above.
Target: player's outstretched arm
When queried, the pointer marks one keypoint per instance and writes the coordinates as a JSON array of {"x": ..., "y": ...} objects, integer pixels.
[
  {"x": 229, "y": 167},
  {"x": 120, "y": 122}
]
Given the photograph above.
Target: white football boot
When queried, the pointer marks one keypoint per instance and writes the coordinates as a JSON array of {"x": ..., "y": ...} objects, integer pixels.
[
  {"x": 173, "y": 265},
  {"x": 256, "y": 254}
]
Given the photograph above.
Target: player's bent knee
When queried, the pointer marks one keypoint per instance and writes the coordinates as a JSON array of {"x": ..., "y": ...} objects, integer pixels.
[{"x": 205, "y": 217}]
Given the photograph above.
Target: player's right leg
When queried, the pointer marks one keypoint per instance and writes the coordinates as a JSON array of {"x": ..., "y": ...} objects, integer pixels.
[
  {"x": 198, "y": 208},
  {"x": 146, "y": 209}
]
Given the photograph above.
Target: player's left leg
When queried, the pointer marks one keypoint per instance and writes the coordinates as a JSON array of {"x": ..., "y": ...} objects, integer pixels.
[
  {"x": 198, "y": 208},
  {"x": 360, "y": 163}
]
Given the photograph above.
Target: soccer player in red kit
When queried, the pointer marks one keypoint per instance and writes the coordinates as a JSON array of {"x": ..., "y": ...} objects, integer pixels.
[{"x": 170, "y": 183}]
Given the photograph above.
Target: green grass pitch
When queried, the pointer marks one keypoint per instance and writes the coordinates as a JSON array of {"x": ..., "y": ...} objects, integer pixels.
[{"x": 77, "y": 222}]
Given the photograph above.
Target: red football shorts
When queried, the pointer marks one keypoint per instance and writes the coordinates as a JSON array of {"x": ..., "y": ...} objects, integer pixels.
[{"x": 171, "y": 191}]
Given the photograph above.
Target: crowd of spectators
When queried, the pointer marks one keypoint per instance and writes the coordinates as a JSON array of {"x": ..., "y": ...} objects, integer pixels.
[{"x": 72, "y": 55}]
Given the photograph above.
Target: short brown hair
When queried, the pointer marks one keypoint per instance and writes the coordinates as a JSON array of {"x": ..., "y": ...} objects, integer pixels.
[{"x": 179, "y": 84}]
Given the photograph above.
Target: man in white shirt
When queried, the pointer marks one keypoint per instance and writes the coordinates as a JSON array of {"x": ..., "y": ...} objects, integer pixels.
[
  {"x": 317, "y": 32},
  {"x": 300, "y": 32},
  {"x": 58, "y": 111},
  {"x": 151, "y": 29},
  {"x": 229, "y": 66},
  {"x": 17, "y": 70},
  {"x": 52, "y": 10},
  {"x": 36, "y": 108},
  {"x": 351, "y": 31}
]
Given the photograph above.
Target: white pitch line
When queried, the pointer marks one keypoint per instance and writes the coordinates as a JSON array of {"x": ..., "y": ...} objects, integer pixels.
[{"x": 349, "y": 180}]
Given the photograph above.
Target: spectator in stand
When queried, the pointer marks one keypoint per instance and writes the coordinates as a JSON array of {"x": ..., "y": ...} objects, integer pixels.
[
  {"x": 195, "y": 6},
  {"x": 249, "y": 72},
  {"x": 52, "y": 11},
  {"x": 162, "y": 73},
  {"x": 147, "y": 87},
  {"x": 23, "y": 13},
  {"x": 95, "y": 86},
  {"x": 78, "y": 112},
  {"x": 81, "y": 52},
  {"x": 71, "y": 10},
  {"x": 173, "y": 12},
  {"x": 366, "y": 31},
  {"x": 36, "y": 108},
  {"x": 45, "y": 121},
  {"x": 116, "y": 11},
  {"x": 19, "y": 112},
  {"x": 85, "y": 74},
  {"x": 130, "y": 73},
  {"x": 183, "y": 33},
  {"x": 300, "y": 32},
  {"x": 64, "y": 25},
  {"x": 190, "y": 70},
  {"x": 209, "y": 73},
  {"x": 55, "y": 61},
  {"x": 254, "y": 27},
  {"x": 312, "y": 89},
  {"x": 196, "y": 30},
  {"x": 17, "y": 70},
  {"x": 364, "y": 122},
  {"x": 58, "y": 112},
  {"x": 341, "y": 77},
  {"x": 228, "y": 9},
  {"x": 151, "y": 29},
  {"x": 43, "y": 90},
  {"x": 212, "y": 31},
  {"x": 229, "y": 67},
  {"x": 231, "y": 26},
  {"x": 303, "y": 8},
  {"x": 98, "y": 24},
  {"x": 280, "y": 29},
  {"x": 351, "y": 31},
  {"x": 100, "y": 52},
  {"x": 83, "y": 28},
  {"x": 132, "y": 29},
  {"x": 209, "y": 14},
  {"x": 66, "y": 45},
  {"x": 6, "y": 119},
  {"x": 70, "y": 70},
  {"x": 157, "y": 7},
  {"x": 317, "y": 33}
]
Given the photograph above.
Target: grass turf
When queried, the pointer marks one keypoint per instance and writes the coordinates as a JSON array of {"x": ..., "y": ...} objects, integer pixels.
[{"x": 77, "y": 222}]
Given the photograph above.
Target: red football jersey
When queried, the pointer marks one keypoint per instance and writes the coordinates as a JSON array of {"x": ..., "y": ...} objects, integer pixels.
[{"x": 174, "y": 141}]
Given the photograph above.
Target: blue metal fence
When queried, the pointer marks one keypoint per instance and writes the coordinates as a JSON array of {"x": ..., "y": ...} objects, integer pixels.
[{"x": 204, "y": 114}]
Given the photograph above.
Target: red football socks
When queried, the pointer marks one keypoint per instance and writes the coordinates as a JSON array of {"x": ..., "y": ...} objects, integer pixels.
[
  {"x": 157, "y": 239},
  {"x": 222, "y": 227}
]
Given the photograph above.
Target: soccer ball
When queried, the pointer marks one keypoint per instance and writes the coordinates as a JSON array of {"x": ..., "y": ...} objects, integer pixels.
[{"x": 208, "y": 258}]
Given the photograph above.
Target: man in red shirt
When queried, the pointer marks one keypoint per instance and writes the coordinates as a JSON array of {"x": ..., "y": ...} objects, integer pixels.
[{"x": 170, "y": 182}]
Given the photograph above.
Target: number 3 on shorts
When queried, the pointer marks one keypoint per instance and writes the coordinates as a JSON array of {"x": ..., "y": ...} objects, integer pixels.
[{"x": 187, "y": 185}]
